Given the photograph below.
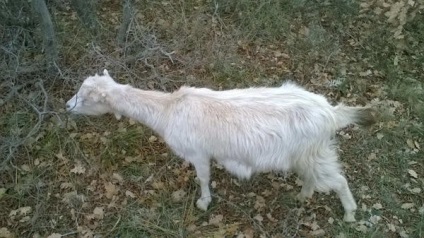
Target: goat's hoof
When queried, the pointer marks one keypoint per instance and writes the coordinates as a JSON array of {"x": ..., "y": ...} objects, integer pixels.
[
  {"x": 301, "y": 198},
  {"x": 349, "y": 217},
  {"x": 203, "y": 203}
]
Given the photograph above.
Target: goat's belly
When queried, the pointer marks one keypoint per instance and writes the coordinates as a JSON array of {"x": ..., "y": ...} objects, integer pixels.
[
  {"x": 237, "y": 168},
  {"x": 245, "y": 167}
]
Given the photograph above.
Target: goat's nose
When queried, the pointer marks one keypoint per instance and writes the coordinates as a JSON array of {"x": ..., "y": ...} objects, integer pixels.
[{"x": 68, "y": 106}]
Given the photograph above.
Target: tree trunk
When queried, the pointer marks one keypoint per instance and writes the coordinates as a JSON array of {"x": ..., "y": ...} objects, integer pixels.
[
  {"x": 49, "y": 37},
  {"x": 128, "y": 13},
  {"x": 87, "y": 13}
]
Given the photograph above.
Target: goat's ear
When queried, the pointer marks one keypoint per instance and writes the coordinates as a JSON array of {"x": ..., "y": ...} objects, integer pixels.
[{"x": 105, "y": 72}]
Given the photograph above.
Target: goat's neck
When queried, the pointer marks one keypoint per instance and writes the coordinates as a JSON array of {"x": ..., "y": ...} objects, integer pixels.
[{"x": 147, "y": 107}]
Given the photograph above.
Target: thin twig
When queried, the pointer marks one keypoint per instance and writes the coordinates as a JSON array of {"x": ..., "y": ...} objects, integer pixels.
[
  {"x": 13, "y": 91},
  {"x": 40, "y": 114},
  {"x": 70, "y": 233},
  {"x": 114, "y": 226},
  {"x": 167, "y": 54},
  {"x": 58, "y": 68}
]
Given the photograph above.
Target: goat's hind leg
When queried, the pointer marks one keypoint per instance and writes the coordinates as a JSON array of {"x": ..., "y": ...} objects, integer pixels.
[
  {"x": 328, "y": 177},
  {"x": 346, "y": 197}
]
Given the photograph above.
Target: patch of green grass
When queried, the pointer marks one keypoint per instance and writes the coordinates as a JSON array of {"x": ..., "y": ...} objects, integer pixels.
[
  {"x": 279, "y": 20},
  {"x": 167, "y": 220},
  {"x": 121, "y": 143},
  {"x": 134, "y": 171},
  {"x": 226, "y": 73},
  {"x": 259, "y": 19},
  {"x": 411, "y": 92}
]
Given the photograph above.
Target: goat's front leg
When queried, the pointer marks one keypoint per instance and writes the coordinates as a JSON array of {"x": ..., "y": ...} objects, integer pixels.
[
  {"x": 203, "y": 174},
  {"x": 306, "y": 192}
]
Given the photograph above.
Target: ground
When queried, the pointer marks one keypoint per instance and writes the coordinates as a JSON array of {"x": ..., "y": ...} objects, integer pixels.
[{"x": 67, "y": 176}]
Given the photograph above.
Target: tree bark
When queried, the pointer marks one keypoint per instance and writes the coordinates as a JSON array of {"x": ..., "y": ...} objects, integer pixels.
[
  {"x": 49, "y": 37},
  {"x": 87, "y": 13},
  {"x": 128, "y": 14}
]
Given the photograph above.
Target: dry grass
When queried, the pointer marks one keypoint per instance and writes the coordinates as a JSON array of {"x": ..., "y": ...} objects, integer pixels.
[{"x": 96, "y": 177}]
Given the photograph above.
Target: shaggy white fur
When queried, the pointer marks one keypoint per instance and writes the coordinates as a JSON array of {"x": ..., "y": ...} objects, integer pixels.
[{"x": 246, "y": 130}]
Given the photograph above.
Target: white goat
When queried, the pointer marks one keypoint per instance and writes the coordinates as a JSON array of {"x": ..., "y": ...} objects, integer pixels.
[{"x": 246, "y": 130}]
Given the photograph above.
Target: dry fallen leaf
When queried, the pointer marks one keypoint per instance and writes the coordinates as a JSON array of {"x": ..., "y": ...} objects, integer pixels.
[
  {"x": 216, "y": 219},
  {"x": 131, "y": 121},
  {"x": 417, "y": 145},
  {"x": 133, "y": 159},
  {"x": 61, "y": 157},
  {"x": 374, "y": 219},
  {"x": 248, "y": 232},
  {"x": 258, "y": 217},
  {"x": 66, "y": 185},
  {"x": 153, "y": 139},
  {"x": 365, "y": 73},
  {"x": 314, "y": 226},
  {"x": 260, "y": 202},
  {"x": 412, "y": 173},
  {"x": 410, "y": 143},
  {"x": 415, "y": 190},
  {"x": 178, "y": 195},
  {"x": 407, "y": 205},
  {"x": 213, "y": 184},
  {"x": 26, "y": 168},
  {"x": 269, "y": 216},
  {"x": 99, "y": 212},
  {"x": 158, "y": 185},
  {"x": 55, "y": 235},
  {"x": 70, "y": 197},
  {"x": 111, "y": 190},
  {"x": 85, "y": 232},
  {"x": 362, "y": 228},
  {"x": 372, "y": 156},
  {"x": 377, "y": 206},
  {"x": 129, "y": 194},
  {"x": 319, "y": 232},
  {"x": 403, "y": 234},
  {"x": 20, "y": 211},
  {"x": 117, "y": 177},
  {"x": 78, "y": 169},
  {"x": 5, "y": 233},
  {"x": 391, "y": 227}
]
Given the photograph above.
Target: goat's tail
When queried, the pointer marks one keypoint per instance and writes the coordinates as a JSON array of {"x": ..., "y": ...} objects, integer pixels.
[{"x": 362, "y": 116}]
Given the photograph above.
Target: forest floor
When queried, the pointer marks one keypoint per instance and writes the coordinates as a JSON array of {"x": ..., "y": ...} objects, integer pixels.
[{"x": 68, "y": 176}]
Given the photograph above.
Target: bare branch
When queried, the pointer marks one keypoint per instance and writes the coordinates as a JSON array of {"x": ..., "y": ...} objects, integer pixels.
[{"x": 14, "y": 145}]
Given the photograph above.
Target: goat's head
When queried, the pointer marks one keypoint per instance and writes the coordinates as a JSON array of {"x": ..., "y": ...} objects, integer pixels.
[{"x": 91, "y": 98}]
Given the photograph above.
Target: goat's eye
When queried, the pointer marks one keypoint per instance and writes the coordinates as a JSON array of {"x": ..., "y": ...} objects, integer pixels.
[{"x": 80, "y": 99}]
